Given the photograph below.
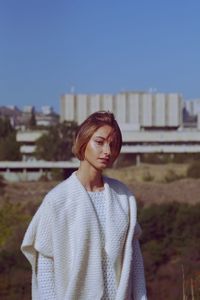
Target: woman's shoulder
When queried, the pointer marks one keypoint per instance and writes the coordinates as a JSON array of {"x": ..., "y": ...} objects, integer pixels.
[
  {"x": 117, "y": 185},
  {"x": 60, "y": 191}
]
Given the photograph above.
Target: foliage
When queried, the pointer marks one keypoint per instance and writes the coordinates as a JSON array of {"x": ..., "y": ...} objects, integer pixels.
[
  {"x": 147, "y": 176},
  {"x": 57, "y": 174},
  {"x": 57, "y": 143},
  {"x": 185, "y": 157},
  {"x": 14, "y": 269},
  {"x": 125, "y": 160},
  {"x": 9, "y": 147},
  {"x": 32, "y": 121},
  {"x": 170, "y": 240},
  {"x": 159, "y": 158},
  {"x": 171, "y": 232},
  {"x": 172, "y": 176},
  {"x": 9, "y": 218},
  {"x": 194, "y": 170},
  {"x": 156, "y": 158},
  {"x": 2, "y": 183},
  {"x": 5, "y": 127}
]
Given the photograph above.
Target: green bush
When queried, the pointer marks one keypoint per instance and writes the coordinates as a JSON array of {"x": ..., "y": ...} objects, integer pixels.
[
  {"x": 57, "y": 174},
  {"x": 193, "y": 170},
  {"x": 156, "y": 158},
  {"x": 147, "y": 176},
  {"x": 172, "y": 176},
  {"x": 2, "y": 185}
]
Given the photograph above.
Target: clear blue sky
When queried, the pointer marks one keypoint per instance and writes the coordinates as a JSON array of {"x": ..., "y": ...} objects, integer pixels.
[{"x": 97, "y": 46}]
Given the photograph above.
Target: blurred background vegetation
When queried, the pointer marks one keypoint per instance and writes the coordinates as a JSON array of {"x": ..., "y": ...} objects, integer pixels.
[
  {"x": 167, "y": 191},
  {"x": 9, "y": 147},
  {"x": 168, "y": 211}
]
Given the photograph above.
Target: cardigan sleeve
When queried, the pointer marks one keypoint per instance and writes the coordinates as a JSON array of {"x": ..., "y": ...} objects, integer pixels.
[
  {"x": 45, "y": 278},
  {"x": 38, "y": 237},
  {"x": 138, "y": 277}
]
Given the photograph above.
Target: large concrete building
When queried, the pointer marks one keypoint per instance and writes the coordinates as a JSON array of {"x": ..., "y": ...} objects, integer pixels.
[
  {"x": 150, "y": 123},
  {"x": 137, "y": 110},
  {"x": 193, "y": 106}
]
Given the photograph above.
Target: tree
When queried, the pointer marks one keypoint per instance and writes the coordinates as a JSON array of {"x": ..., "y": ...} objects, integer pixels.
[
  {"x": 5, "y": 128},
  {"x": 32, "y": 121},
  {"x": 56, "y": 145},
  {"x": 9, "y": 147}
]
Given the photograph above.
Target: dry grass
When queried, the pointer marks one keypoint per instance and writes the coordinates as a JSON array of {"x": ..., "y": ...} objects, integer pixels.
[
  {"x": 160, "y": 189},
  {"x": 138, "y": 173},
  {"x": 156, "y": 190}
]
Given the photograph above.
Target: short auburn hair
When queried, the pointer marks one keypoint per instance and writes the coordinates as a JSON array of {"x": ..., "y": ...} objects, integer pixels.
[{"x": 86, "y": 130}]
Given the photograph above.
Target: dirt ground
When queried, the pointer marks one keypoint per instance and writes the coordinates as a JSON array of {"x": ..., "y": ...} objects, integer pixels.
[
  {"x": 147, "y": 182},
  {"x": 184, "y": 190}
]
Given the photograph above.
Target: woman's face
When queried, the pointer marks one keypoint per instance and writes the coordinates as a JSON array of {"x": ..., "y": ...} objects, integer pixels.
[{"x": 98, "y": 152}]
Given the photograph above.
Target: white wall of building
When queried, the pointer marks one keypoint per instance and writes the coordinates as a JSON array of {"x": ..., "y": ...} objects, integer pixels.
[
  {"x": 67, "y": 107},
  {"x": 81, "y": 109},
  {"x": 138, "y": 108},
  {"x": 174, "y": 110},
  {"x": 146, "y": 110},
  {"x": 107, "y": 102},
  {"x": 94, "y": 103},
  {"x": 193, "y": 106},
  {"x": 133, "y": 108},
  {"x": 159, "y": 109},
  {"x": 120, "y": 108}
]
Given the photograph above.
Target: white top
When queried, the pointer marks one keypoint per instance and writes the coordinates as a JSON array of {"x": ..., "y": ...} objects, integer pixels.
[
  {"x": 98, "y": 199},
  {"x": 45, "y": 264},
  {"x": 45, "y": 278},
  {"x": 76, "y": 253}
]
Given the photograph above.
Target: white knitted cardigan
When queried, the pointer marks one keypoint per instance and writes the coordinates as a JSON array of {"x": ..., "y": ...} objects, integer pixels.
[{"x": 66, "y": 228}]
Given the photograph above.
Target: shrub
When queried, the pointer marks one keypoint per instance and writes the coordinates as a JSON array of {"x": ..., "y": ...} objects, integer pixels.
[
  {"x": 172, "y": 176},
  {"x": 57, "y": 174},
  {"x": 193, "y": 170},
  {"x": 2, "y": 185},
  {"x": 156, "y": 158},
  {"x": 147, "y": 176}
]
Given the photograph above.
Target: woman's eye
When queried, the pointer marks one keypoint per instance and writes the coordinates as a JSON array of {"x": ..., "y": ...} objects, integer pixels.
[{"x": 99, "y": 142}]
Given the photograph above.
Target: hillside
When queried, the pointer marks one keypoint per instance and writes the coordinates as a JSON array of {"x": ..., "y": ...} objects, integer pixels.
[
  {"x": 170, "y": 239},
  {"x": 149, "y": 183}
]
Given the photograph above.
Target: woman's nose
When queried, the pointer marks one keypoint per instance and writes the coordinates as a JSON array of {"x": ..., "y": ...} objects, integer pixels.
[{"x": 107, "y": 149}]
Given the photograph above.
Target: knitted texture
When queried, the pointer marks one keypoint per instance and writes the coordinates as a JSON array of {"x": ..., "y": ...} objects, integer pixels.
[
  {"x": 45, "y": 266},
  {"x": 138, "y": 280},
  {"x": 66, "y": 229},
  {"x": 98, "y": 200},
  {"x": 45, "y": 278}
]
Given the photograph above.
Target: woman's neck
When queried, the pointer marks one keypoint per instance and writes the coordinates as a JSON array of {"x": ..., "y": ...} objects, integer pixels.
[{"x": 90, "y": 178}]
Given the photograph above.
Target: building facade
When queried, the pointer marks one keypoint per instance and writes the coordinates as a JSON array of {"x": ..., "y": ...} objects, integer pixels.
[{"x": 137, "y": 110}]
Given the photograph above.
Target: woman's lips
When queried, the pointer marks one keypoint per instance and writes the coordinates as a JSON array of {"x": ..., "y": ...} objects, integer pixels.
[{"x": 104, "y": 160}]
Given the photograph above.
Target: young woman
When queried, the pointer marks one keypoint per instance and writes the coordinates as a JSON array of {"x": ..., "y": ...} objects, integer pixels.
[{"x": 82, "y": 242}]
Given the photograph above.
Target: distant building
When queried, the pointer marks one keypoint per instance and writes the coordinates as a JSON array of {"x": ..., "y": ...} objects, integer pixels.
[
  {"x": 27, "y": 140},
  {"x": 12, "y": 113},
  {"x": 28, "y": 109},
  {"x": 20, "y": 119},
  {"x": 137, "y": 110},
  {"x": 193, "y": 106},
  {"x": 191, "y": 113},
  {"x": 47, "y": 110}
]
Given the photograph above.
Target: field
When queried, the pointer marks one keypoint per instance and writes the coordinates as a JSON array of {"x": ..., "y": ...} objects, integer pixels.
[
  {"x": 159, "y": 183},
  {"x": 169, "y": 243}
]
